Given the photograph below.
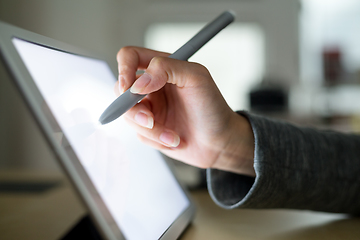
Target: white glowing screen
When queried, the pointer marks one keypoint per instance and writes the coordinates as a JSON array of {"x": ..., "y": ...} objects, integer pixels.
[{"x": 132, "y": 179}]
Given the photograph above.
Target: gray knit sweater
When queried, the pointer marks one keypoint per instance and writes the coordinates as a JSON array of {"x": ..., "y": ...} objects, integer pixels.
[{"x": 298, "y": 168}]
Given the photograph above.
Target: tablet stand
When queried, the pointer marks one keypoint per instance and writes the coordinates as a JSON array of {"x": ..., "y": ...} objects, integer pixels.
[{"x": 84, "y": 229}]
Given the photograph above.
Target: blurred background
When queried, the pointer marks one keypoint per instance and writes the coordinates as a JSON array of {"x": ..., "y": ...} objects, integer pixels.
[{"x": 293, "y": 59}]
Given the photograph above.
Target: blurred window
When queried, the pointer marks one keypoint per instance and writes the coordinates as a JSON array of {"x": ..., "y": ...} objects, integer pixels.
[
  {"x": 329, "y": 23},
  {"x": 234, "y": 57}
]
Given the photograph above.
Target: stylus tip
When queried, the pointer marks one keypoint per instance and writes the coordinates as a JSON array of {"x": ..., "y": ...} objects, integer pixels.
[
  {"x": 106, "y": 117},
  {"x": 103, "y": 121}
]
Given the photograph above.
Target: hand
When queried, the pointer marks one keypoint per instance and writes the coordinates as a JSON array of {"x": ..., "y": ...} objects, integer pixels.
[{"x": 184, "y": 115}]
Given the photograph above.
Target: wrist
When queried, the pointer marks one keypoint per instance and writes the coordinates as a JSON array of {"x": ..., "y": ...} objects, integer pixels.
[{"x": 238, "y": 153}]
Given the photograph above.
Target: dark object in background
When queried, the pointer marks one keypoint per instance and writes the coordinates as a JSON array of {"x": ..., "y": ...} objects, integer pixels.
[
  {"x": 268, "y": 99},
  {"x": 27, "y": 187},
  {"x": 332, "y": 65}
]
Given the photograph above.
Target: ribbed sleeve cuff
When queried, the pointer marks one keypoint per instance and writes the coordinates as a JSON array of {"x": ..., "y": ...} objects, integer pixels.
[{"x": 298, "y": 168}]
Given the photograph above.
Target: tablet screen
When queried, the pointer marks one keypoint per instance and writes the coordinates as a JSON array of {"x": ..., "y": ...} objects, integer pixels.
[{"x": 133, "y": 180}]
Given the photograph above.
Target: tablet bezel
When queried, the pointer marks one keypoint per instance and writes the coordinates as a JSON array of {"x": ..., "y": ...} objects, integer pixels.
[{"x": 48, "y": 125}]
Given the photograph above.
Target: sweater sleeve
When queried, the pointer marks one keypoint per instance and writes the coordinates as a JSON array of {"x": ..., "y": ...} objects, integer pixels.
[{"x": 297, "y": 168}]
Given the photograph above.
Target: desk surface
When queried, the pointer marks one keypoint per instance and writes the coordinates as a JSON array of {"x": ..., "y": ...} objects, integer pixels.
[{"x": 49, "y": 214}]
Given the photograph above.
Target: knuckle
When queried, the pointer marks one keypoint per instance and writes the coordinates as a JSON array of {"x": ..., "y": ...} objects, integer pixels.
[
  {"x": 158, "y": 63},
  {"x": 201, "y": 69},
  {"x": 159, "y": 68},
  {"x": 124, "y": 51}
]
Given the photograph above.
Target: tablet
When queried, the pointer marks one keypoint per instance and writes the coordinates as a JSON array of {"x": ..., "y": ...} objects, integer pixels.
[{"x": 128, "y": 187}]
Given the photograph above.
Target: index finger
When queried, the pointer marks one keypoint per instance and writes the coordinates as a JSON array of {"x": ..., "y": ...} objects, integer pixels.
[{"x": 130, "y": 59}]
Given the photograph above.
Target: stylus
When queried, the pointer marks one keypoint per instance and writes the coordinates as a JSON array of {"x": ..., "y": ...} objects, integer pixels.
[{"x": 127, "y": 100}]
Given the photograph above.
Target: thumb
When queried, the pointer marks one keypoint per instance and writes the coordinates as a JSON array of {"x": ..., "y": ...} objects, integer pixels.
[{"x": 162, "y": 70}]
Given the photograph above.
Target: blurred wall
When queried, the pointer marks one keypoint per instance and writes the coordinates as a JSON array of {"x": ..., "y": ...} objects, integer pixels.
[{"x": 104, "y": 27}]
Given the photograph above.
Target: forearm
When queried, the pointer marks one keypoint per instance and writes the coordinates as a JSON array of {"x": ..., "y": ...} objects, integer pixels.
[{"x": 295, "y": 168}]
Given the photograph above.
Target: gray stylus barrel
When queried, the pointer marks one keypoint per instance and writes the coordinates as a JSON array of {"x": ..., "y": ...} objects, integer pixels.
[
  {"x": 202, "y": 37},
  {"x": 127, "y": 100}
]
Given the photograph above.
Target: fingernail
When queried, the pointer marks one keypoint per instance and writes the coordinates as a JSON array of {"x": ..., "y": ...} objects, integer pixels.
[
  {"x": 170, "y": 139},
  {"x": 140, "y": 83},
  {"x": 121, "y": 83},
  {"x": 144, "y": 120}
]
